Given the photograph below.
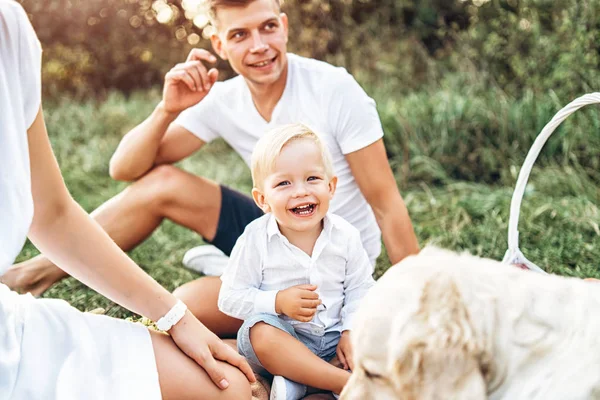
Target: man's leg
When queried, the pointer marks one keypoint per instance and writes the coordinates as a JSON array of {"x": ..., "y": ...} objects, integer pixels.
[
  {"x": 201, "y": 297},
  {"x": 131, "y": 216}
]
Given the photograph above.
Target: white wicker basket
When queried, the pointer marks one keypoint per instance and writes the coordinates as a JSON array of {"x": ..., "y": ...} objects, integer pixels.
[{"x": 513, "y": 254}]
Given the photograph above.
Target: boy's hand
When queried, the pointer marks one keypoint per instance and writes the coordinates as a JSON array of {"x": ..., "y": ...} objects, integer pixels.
[
  {"x": 298, "y": 302},
  {"x": 344, "y": 351}
]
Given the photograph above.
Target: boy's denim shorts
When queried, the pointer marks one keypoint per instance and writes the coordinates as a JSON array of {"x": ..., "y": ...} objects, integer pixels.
[{"x": 322, "y": 346}]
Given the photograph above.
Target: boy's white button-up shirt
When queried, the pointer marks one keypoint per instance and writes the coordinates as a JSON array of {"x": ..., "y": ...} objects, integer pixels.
[{"x": 263, "y": 262}]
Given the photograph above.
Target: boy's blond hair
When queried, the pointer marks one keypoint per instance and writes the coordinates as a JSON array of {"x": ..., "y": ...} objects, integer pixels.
[{"x": 270, "y": 145}]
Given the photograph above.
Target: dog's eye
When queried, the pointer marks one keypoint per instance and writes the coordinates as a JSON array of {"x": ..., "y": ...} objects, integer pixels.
[{"x": 372, "y": 375}]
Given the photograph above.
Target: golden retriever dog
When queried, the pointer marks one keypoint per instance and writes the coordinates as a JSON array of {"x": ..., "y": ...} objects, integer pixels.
[{"x": 443, "y": 326}]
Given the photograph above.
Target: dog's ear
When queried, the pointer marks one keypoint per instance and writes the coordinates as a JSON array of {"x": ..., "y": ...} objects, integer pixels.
[{"x": 437, "y": 354}]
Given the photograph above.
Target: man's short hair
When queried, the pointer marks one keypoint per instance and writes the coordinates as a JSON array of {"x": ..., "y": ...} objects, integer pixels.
[
  {"x": 269, "y": 147},
  {"x": 214, "y": 5}
]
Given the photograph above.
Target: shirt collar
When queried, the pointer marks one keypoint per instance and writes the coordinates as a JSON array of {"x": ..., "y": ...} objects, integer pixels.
[{"x": 273, "y": 228}]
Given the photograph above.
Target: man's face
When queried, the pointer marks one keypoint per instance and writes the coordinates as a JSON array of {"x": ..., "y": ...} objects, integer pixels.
[{"x": 253, "y": 39}]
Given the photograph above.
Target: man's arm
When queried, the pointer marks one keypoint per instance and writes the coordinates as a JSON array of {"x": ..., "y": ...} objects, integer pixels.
[
  {"x": 375, "y": 179},
  {"x": 157, "y": 140}
]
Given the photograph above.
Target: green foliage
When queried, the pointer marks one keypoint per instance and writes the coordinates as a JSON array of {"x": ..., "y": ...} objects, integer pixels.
[
  {"x": 95, "y": 45},
  {"x": 92, "y": 46},
  {"x": 484, "y": 136},
  {"x": 536, "y": 45}
]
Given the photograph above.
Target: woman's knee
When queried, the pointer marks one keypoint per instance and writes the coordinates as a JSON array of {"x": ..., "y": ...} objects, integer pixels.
[
  {"x": 239, "y": 387},
  {"x": 181, "y": 378}
]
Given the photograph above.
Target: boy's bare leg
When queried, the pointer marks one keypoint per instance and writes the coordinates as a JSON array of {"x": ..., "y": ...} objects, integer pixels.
[
  {"x": 132, "y": 215},
  {"x": 276, "y": 348}
]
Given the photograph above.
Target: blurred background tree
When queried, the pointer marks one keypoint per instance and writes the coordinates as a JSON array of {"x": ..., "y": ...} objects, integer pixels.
[{"x": 92, "y": 46}]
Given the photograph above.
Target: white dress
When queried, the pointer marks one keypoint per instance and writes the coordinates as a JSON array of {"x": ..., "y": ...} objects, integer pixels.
[{"x": 48, "y": 349}]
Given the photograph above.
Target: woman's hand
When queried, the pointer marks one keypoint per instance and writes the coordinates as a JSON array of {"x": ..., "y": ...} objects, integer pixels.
[{"x": 204, "y": 347}]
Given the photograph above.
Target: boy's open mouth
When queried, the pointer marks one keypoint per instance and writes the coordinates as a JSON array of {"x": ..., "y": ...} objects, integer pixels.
[{"x": 304, "y": 210}]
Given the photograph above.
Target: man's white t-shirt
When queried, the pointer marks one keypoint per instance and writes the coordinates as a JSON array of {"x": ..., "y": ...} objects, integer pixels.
[
  {"x": 327, "y": 99},
  {"x": 20, "y": 98}
]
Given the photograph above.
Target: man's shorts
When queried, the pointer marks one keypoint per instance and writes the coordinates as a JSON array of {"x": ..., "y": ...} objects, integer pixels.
[{"x": 237, "y": 211}]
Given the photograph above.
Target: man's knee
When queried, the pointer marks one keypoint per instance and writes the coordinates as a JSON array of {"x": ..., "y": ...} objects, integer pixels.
[
  {"x": 160, "y": 178},
  {"x": 158, "y": 186}
]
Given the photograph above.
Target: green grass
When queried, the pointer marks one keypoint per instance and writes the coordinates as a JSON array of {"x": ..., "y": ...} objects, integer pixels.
[
  {"x": 560, "y": 217},
  {"x": 479, "y": 135}
]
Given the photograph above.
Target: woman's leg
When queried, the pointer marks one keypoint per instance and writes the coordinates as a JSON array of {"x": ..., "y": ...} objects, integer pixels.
[
  {"x": 181, "y": 378},
  {"x": 201, "y": 298}
]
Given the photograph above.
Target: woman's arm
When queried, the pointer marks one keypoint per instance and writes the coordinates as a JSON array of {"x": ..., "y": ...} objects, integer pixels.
[{"x": 64, "y": 232}]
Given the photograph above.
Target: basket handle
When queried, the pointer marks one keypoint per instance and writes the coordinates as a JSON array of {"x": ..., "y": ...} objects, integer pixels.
[{"x": 513, "y": 254}]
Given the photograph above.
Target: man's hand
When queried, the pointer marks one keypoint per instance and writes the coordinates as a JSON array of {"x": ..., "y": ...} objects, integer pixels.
[
  {"x": 204, "y": 347},
  {"x": 298, "y": 302},
  {"x": 344, "y": 351},
  {"x": 186, "y": 84}
]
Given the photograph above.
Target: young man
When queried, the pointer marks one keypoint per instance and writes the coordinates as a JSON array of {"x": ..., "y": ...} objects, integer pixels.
[{"x": 273, "y": 88}]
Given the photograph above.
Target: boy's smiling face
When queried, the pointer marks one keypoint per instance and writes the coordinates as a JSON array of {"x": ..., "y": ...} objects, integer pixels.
[{"x": 298, "y": 190}]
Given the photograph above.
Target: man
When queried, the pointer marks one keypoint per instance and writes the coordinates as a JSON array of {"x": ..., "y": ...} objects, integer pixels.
[{"x": 273, "y": 88}]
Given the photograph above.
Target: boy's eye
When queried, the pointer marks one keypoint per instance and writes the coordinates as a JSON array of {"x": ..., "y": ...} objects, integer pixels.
[
  {"x": 237, "y": 35},
  {"x": 282, "y": 183},
  {"x": 313, "y": 178}
]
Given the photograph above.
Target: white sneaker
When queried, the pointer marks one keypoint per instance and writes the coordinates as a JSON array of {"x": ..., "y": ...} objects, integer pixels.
[
  {"x": 284, "y": 389},
  {"x": 207, "y": 260}
]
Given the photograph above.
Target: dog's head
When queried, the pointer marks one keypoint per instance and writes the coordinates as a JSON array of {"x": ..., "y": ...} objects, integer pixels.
[{"x": 414, "y": 337}]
